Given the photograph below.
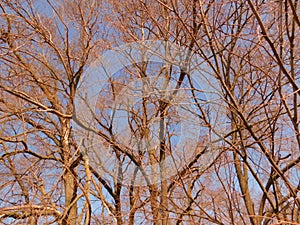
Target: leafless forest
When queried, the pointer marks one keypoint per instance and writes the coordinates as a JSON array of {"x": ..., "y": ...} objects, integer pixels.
[{"x": 249, "y": 49}]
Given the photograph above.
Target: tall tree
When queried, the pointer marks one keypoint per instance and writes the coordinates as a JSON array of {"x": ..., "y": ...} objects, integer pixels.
[{"x": 211, "y": 85}]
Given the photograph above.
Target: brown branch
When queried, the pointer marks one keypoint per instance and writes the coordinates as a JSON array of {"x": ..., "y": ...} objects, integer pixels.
[
  {"x": 272, "y": 46},
  {"x": 25, "y": 211},
  {"x": 27, "y": 98}
]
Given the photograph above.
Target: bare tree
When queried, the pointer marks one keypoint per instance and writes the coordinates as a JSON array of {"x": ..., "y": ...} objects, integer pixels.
[
  {"x": 243, "y": 166},
  {"x": 44, "y": 49}
]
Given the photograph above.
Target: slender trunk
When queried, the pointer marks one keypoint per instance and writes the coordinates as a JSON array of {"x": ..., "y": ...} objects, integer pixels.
[
  {"x": 242, "y": 174},
  {"x": 69, "y": 177},
  {"x": 163, "y": 174}
]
